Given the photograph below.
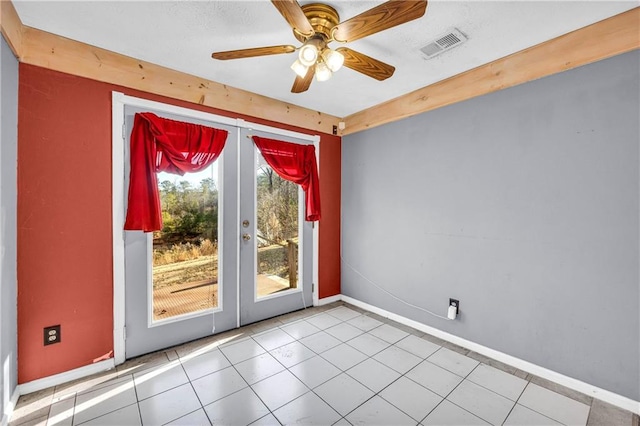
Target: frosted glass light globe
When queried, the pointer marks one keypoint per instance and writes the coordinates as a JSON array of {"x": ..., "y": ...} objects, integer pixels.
[
  {"x": 323, "y": 73},
  {"x": 308, "y": 55},
  {"x": 333, "y": 59},
  {"x": 299, "y": 68}
]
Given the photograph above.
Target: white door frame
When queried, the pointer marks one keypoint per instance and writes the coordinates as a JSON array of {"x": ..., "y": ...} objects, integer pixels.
[{"x": 119, "y": 101}]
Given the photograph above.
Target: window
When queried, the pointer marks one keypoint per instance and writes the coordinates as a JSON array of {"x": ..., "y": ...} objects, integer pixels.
[
  {"x": 185, "y": 251},
  {"x": 277, "y": 230}
]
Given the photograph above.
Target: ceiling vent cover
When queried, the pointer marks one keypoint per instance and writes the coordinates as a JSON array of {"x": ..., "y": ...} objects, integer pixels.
[{"x": 443, "y": 42}]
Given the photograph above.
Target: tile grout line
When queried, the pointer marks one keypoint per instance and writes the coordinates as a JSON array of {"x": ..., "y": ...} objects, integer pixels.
[
  {"x": 310, "y": 390},
  {"x": 408, "y": 378},
  {"x": 73, "y": 408},
  {"x": 339, "y": 369},
  {"x": 518, "y": 399},
  {"x": 135, "y": 390},
  {"x": 510, "y": 411},
  {"x": 522, "y": 392},
  {"x": 250, "y": 387},
  {"x": 179, "y": 359},
  {"x": 367, "y": 358},
  {"x": 232, "y": 393},
  {"x": 544, "y": 415},
  {"x": 452, "y": 390},
  {"x": 103, "y": 414}
]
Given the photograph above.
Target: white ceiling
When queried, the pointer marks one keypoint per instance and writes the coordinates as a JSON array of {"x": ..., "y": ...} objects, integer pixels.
[{"x": 182, "y": 35}]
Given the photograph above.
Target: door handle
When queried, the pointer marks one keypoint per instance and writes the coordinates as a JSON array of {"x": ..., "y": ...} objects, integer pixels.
[{"x": 246, "y": 237}]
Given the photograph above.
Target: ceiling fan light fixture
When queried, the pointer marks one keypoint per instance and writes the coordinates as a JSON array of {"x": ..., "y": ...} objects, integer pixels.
[
  {"x": 333, "y": 59},
  {"x": 299, "y": 68},
  {"x": 323, "y": 73},
  {"x": 315, "y": 25},
  {"x": 308, "y": 54}
]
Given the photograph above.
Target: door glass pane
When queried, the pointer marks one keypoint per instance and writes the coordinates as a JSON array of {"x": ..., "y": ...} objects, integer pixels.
[
  {"x": 185, "y": 252},
  {"x": 277, "y": 231}
]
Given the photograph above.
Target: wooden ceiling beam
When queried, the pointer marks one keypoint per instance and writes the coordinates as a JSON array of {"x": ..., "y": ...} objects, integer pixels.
[
  {"x": 46, "y": 50},
  {"x": 11, "y": 27},
  {"x": 604, "y": 39},
  {"x": 58, "y": 53},
  {"x": 610, "y": 37}
]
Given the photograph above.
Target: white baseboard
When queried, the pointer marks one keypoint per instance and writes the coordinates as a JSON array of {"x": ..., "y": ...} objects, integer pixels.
[
  {"x": 569, "y": 382},
  {"x": 330, "y": 299},
  {"x": 67, "y": 376},
  {"x": 8, "y": 410}
]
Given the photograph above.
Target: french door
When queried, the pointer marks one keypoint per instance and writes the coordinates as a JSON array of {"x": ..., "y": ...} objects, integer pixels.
[
  {"x": 276, "y": 241},
  {"x": 234, "y": 248}
]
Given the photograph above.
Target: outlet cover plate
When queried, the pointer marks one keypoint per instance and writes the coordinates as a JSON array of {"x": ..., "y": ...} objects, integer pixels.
[
  {"x": 52, "y": 335},
  {"x": 456, "y": 303}
]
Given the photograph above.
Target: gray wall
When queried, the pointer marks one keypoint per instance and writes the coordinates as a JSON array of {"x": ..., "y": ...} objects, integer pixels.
[
  {"x": 523, "y": 204},
  {"x": 8, "y": 202}
]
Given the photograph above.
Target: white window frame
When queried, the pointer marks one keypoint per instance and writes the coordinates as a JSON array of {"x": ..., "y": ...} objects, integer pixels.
[
  {"x": 300, "y": 273},
  {"x": 202, "y": 312}
]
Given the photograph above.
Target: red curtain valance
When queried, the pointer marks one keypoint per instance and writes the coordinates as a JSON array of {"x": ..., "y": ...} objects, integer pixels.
[
  {"x": 163, "y": 145},
  {"x": 295, "y": 163}
]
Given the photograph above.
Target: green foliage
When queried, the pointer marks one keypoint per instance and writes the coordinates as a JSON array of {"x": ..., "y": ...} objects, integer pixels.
[
  {"x": 189, "y": 213},
  {"x": 277, "y": 207},
  {"x": 186, "y": 248}
]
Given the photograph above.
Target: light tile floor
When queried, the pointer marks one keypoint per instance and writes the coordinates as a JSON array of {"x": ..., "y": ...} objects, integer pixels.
[{"x": 327, "y": 365}]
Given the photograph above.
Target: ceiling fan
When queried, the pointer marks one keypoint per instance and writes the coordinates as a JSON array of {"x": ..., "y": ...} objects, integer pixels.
[{"x": 317, "y": 24}]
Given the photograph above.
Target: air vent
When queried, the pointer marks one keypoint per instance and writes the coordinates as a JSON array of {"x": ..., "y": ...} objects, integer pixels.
[{"x": 443, "y": 42}]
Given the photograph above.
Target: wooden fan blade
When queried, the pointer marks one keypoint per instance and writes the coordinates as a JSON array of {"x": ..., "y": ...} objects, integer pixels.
[
  {"x": 302, "y": 83},
  {"x": 293, "y": 14},
  {"x": 379, "y": 18},
  {"x": 365, "y": 64},
  {"x": 256, "y": 51}
]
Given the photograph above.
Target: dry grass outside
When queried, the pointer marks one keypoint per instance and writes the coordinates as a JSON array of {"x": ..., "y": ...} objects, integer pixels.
[
  {"x": 204, "y": 268},
  {"x": 185, "y": 263},
  {"x": 183, "y": 252},
  {"x": 272, "y": 260}
]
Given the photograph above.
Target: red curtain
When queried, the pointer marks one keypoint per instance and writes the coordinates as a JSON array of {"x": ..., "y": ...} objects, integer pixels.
[
  {"x": 295, "y": 163},
  {"x": 162, "y": 145}
]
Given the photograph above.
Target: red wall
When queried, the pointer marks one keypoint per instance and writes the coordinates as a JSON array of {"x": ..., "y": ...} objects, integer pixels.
[{"x": 64, "y": 217}]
